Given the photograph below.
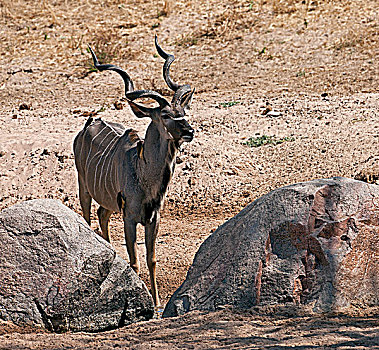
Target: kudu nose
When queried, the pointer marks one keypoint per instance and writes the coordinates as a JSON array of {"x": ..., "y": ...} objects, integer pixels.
[{"x": 188, "y": 134}]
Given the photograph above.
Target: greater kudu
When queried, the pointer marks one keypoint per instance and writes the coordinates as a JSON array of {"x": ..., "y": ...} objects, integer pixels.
[{"x": 126, "y": 174}]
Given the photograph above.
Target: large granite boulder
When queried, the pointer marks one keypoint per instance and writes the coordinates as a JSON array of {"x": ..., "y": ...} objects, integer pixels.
[
  {"x": 313, "y": 243},
  {"x": 55, "y": 272}
]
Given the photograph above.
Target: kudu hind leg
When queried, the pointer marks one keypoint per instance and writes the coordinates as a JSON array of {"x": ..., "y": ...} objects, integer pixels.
[
  {"x": 85, "y": 202},
  {"x": 104, "y": 215}
]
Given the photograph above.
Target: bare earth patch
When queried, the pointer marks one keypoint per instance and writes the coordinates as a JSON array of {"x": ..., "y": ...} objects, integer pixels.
[{"x": 304, "y": 73}]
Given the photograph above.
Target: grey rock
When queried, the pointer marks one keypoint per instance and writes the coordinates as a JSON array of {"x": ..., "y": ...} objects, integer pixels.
[
  {"x": 313, "y": 244},
  {"x": 55, "y": 272}
]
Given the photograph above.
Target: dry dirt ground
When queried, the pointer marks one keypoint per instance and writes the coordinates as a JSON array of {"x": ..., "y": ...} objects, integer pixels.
[{"x": 302, "y": 75}]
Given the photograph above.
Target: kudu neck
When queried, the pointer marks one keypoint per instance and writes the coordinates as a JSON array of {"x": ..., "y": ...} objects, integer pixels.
[{"x": 158, "y": 149}]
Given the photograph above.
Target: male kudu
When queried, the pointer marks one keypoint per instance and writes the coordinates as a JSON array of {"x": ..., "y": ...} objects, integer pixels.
[{"x": 124, "y": 173}]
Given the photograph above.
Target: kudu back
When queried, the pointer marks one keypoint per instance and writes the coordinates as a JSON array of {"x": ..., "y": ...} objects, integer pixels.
[{"x": 124, "y": 173}]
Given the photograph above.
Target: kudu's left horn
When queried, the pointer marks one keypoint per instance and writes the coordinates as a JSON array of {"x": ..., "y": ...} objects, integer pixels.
[
  {"x": 181, "y": 91},
  {"x": 125, "y": 76}
]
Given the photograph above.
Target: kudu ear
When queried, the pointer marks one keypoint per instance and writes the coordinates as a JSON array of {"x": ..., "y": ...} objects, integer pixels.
[
  {"x": 185, "y": 103},
  {"x": 140, "y": 111}
]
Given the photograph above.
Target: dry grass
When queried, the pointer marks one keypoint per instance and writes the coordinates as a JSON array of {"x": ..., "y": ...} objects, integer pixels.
[
  {"x": 214, "y": 41},
  {"x": 58, "y": 32},
  {"x": 61, "y": 29}
]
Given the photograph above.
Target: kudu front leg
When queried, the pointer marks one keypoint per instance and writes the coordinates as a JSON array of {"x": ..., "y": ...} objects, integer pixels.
[
  {"x": 130, "y": 230},
  {"x": 151, "y": 231}
]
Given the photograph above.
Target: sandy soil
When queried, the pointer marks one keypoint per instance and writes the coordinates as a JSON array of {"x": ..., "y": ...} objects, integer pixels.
[
  {"x": 279, "y": 328},
  {"x": 302, "y": 72}
]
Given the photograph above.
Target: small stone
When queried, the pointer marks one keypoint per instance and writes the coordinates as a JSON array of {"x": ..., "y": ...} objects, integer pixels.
[
  {"x": 266, "y": 110},
  {"x": 187, "y": 166},
  {"x": 273, "y": 114},
  {"x": 118, "y": 105},
  {"x": 24, "y": 107}
]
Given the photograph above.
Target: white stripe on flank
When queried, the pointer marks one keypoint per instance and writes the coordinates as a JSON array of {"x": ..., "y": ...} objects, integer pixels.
[
  {"x": 102, "y": 154},
  {"x": 115, "y": 177},
  {"x": 86, "y": 165},
  {"x": 112, "y": 142},
  {"x": 111, "y": 127},
  {"x": 111, "y": 178}
]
